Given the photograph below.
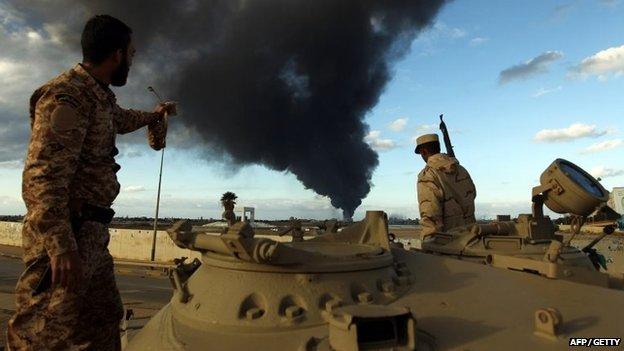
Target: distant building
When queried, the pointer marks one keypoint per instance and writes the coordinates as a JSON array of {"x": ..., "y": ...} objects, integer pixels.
[
  {"x": 223, "y": 224},
  {"x": 248, "y": 214},
  {"x": 616, "y": 199}
]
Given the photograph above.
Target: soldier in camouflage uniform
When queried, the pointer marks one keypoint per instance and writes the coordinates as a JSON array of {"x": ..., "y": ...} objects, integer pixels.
[
  {"x": 446, "y": 192},
  {"x": 69, "y": 184}
]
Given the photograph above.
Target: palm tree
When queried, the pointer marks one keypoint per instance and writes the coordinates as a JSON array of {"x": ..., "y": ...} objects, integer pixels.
[{"x": 228, "y": 200}]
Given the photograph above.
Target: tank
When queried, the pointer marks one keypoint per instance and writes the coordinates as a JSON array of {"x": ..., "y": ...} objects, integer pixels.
[
  {"x": 354, "y": 289},
  {"x": 531, "y": 243}
]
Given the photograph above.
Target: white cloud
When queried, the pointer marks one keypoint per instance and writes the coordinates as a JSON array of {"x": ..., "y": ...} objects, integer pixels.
[
  {"x": 424, "y": 128},
  {"x": 398, "y": 124},
  {"x": 373, "y": 134},
  {"x": 374, "y": 140},
  {"x": 602, "y": 64},
  {"x": 574, "y": 131},
  {"x": 15, "y": 164},
  {"x": 32, "y": 35},
  {"x": 436, "y": 33},
  {"x": 130, "y": 151},
  {"x": 32, "y": 53},
  {"x": 11, "y": 205},
  {"x": 458, "y": 33},
  {"x": 28, "y": 59},
  {"x": 602, "y": 146},
  {"x": 606, "y": 172},
  {"x": 536, "y": 65},
  {"x": 544, "y": 91},
  {"x": 476, "y": 41},
  {"x": 441, "y": 30},
  {"x": 134, "y": 188}
]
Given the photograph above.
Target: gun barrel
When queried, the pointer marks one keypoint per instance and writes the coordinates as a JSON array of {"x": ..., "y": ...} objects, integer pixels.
[{"x": 447, "y": 138}]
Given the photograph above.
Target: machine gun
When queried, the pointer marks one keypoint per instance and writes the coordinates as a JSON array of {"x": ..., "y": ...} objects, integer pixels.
[{"x": 447, "y": 138}]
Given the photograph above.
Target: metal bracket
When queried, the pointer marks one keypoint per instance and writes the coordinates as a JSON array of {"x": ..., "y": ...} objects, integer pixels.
[{"x": 548, "y": 322}]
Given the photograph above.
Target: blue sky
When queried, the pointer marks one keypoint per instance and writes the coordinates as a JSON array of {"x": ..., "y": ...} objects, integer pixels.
[{"x": 520, "y": 84}]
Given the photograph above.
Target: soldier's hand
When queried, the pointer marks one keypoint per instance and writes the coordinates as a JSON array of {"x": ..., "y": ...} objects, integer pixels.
[
  {"x": 67, "y": 270},
  {"x": 168, "y": 107}
]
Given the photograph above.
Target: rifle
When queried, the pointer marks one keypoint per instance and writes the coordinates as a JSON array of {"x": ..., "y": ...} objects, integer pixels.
[{"x": 447, "y": 138}]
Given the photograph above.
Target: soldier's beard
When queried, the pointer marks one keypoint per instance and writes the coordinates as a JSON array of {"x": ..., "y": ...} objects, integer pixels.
[{"x": 120, "y": 75}]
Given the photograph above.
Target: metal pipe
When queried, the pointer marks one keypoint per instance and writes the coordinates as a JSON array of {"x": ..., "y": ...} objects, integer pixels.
[{"x": 162, "y": 157}]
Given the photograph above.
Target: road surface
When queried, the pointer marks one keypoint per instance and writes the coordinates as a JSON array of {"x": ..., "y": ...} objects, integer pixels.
[{"x": 141, "y": 290}]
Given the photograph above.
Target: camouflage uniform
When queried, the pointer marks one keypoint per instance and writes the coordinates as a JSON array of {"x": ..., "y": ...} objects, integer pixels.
[
  {"x": 446, "y": 195},
  {"x": 70, "y": 162}
]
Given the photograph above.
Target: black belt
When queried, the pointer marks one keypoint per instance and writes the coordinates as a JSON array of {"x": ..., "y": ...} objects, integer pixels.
[{"x": 92, "y": 213}]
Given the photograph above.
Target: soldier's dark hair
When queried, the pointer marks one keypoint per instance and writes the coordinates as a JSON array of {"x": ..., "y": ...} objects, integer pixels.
[{"x": 102, "y": 36}]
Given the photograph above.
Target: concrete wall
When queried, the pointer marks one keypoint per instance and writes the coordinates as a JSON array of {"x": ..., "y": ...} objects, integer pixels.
[
  {"x": 132, "y": 244},
  {"x": 11, "y": 233},
  {"x": 125, "y": 244}
]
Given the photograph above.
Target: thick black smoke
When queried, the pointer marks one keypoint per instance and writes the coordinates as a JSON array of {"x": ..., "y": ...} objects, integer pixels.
[{"x": 282, "y": 83}]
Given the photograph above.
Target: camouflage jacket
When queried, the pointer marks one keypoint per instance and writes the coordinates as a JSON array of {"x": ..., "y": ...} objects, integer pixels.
[
  {"x": 74, "y": 121},
  {"x": 446, "y": 195}
]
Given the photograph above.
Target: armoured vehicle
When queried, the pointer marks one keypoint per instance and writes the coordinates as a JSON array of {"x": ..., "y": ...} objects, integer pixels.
[
  {"x": 356, "y": 290},
  {"x": 531, "y": 243}
]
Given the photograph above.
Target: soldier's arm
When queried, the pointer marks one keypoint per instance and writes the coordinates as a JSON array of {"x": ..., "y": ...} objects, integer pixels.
[
  {"x": 430, "y": 203},
  {"x": 157, "y": 134},
  {"x": 58, "y": 131},
  {"x": 128, "y": 120},
  {"x": 471, "y": 189}
]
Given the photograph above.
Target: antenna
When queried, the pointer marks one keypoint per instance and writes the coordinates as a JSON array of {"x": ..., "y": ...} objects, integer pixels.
[{"x": 162, "y": 157}]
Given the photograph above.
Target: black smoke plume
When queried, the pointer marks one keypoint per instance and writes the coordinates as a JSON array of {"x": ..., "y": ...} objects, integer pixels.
[{"x": 281, "y": 83}]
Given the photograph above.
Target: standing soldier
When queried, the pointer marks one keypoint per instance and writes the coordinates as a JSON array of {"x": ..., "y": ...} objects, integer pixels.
[
  {"x": 446, "y": 192},
  {"x": 67, "y": 297}
]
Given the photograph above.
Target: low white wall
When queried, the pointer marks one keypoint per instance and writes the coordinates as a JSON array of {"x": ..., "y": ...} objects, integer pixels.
[
  {"x": 133, "y": 244},
  {"x": 11, "y": 233},
  {"x": 125, "y": 244}
]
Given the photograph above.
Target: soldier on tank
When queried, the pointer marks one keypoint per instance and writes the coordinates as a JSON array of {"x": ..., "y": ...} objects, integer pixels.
[
  {"x": 445, "y": 190},
  {"x": 67, "y": 298}
]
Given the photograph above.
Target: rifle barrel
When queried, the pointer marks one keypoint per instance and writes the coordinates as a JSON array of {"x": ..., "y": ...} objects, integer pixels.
[{"x": 447, "y": 138}]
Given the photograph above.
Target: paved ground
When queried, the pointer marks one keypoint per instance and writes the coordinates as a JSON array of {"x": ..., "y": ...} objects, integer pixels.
[{"x": 142, "y": 290}]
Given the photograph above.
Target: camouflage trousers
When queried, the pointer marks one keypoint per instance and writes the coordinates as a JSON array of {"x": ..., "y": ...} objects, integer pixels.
[{"x": 87, "y": 319}]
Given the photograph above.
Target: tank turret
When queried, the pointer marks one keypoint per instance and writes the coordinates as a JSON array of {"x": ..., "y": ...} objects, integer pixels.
[
  {"x": 531, "y": 242},
  {"x": 354, "y": 290}
]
